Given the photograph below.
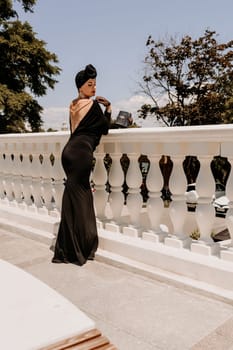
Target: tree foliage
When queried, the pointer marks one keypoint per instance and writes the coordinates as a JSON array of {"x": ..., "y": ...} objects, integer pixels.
[
  {"x": 190, "y": 82},
  {"x": 27, "y": 70}
]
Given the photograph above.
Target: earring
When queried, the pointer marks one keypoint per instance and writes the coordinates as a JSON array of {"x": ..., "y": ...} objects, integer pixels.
[{"x": 81, "y": 94}]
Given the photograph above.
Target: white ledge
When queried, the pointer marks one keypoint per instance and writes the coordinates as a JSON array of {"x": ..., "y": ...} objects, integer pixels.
[{"x": 32, "y": 314}]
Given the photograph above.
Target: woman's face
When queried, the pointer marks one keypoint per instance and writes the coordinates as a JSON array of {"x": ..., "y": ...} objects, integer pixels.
[{"x": 88, "y": 89}]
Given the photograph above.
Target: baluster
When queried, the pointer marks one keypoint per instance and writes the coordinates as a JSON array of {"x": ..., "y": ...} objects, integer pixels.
[
  {"x": 26, "y": 189},
  {"x": 36, "y": 178},
  {"x": 134, "y": 198},
  {"x": 229, "y": 194},
  {"x": 178, "y": 207},
  {"x": 229, "y": 185},
  {"x": 116, "y": 197},
  {"x": 13, "y": 171},
  {"x": 37, "y": 194},
  {"x": 205, "y": 212},
  {"x": 47, "y": 196},
  {"x": 155, "y": 206},
  {"x": 99, "y": 177},
  {"x": 26, "y": 177},
  {"x": 2, "y": 193},
  {"x": 226, "y": 252},
  {"x": 17, "y": 178},
  {"x": 58, "y": 176},
  {"x": 7, "y": 183},
  {"x": 3, "y": 169},
  {"x": 46, "y": 186}
]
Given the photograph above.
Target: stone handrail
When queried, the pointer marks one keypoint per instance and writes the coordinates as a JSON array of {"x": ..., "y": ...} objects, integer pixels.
[{"x": 32, "y": 179}]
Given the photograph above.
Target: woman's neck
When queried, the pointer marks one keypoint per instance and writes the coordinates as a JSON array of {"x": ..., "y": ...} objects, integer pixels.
[{"x": 82, "y": 97}]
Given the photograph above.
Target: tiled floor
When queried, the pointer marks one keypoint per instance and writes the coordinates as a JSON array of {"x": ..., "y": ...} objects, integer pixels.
[{"x": 134, "y": 312}]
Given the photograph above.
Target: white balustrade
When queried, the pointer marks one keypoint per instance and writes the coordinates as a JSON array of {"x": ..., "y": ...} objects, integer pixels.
[{"x": 30, "y": 183}]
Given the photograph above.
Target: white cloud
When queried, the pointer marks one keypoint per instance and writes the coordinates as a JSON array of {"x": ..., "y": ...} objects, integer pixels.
[
  {"x": 54, "y": 117},
  {"x": 131, "y": 105}
]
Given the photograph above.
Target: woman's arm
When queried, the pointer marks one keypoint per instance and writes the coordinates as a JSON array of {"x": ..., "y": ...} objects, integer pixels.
[{"x": 107, "y": 104}]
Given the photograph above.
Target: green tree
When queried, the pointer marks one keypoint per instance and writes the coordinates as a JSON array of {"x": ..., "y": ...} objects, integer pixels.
[
  {"x": 189, "y": 82},
  {"x": 27, "y": 69}
]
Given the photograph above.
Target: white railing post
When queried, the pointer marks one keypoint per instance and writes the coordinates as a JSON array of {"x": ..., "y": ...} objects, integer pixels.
[
  {"x": 178, "y": 207},
  {"x": 36, "y": 177},
  {"x": 205, "y": 212},
  {"x": 134, "y": 198},
  {"x": 154, "y": 183},
  {"x": 2, "y": 164},
  {"x": 11, "y": 174},
  {"x": 17, "y": 177},
  {"x": 7, "y": 182},
  {"x": 47, "y": 190},
  {"x": 4, "y": 170},
  {"x": 229, "y": 194},
  {"x": 229, "y": 185},
  {"x": 99, "y": 177},
  {"x": 177, "y": 186},
  {"x": 26, "y": 176},
  {"x": 116, "y": 197},
  {"x": 226, "y": 252},
  {"x": 58, "y": 176}
]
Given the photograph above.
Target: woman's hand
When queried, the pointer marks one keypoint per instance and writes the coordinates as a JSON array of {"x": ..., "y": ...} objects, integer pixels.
[{"x": 103, "y": 101}]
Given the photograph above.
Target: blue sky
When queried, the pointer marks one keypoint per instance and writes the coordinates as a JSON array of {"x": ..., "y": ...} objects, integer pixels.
[{"x": 111, "y": 35}]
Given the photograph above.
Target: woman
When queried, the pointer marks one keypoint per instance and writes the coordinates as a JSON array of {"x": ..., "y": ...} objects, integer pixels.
[{"x": 77, "y": 239}]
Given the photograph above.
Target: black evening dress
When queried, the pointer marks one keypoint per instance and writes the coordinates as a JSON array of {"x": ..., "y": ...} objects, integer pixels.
[{"x": 77, "y": 238}]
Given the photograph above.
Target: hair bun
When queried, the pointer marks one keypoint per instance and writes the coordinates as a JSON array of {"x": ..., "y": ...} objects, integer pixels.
[{"x": 90, "y": 72}]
